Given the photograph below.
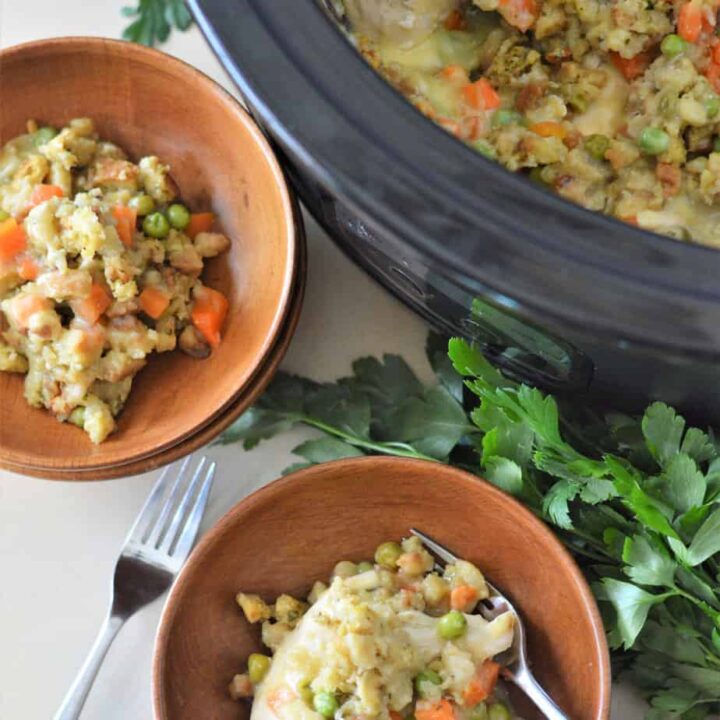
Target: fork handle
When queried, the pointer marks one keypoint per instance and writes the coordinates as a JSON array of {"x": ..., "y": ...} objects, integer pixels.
[
  {"x": 529, "y": 685},
  {"x": 73, "y": 703}
]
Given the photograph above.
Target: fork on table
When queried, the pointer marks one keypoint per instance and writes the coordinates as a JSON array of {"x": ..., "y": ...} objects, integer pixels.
[
  {"x": 514, "y": 660},
  {"x": 156, "y": 548}
]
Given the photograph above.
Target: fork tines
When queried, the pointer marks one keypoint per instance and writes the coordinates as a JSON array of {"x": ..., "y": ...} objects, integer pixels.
[{"x": 171, "y": 516}]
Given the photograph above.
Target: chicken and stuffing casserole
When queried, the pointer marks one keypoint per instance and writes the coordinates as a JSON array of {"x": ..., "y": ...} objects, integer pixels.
[
  {"x": 613, "y": 105},
  {"x": 389, "y": 639},
  {"x": 99, "y": 267}
]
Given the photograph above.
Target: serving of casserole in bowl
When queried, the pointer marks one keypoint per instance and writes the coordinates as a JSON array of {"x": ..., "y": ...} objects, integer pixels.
[
  {"x": 148, "y": 254},
  {"x": 391, "y": 635}
]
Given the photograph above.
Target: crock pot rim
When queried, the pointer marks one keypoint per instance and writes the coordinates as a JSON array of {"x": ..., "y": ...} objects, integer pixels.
[{"x": 689, "y": 271}]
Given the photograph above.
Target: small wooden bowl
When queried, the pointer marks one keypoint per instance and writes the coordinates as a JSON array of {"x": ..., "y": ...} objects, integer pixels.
[
  {"x": 150, "y": 103},
  {"x": 293, "y": 531}
]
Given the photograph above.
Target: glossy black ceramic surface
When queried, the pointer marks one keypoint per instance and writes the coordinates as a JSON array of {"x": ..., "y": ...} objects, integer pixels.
[{"x": 564, "y": 298}]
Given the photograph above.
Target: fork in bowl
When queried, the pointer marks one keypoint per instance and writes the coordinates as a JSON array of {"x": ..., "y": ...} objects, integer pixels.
[
  {"x": 155, "y": 549},
  {"x": 514, "y": 660}
]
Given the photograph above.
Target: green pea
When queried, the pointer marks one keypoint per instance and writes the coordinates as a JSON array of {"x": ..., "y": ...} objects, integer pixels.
[
  {"x": 712, "y": 105},
  {"x": 325, "y": 703},
  {"x": 77, "y": 417},
  {"x": 716, "y": 144},
  {"x": 156, "y": 225},
  {"x": 484, "y": 149},
  {"x": 479, "y": 712},
  {"x": 506, "y": 117},
  {"x": 3, "y": 215},
  {"x": 425, "y": 678},
  {"x": 142, "y": 204},
  {"x": 654, "y": 141},
  {"x": 44, "y": 135},
  {"x": 345, "y": 569},
  {"x": 387, "y": 554},
  {"x": 499, "y": 711},
  {"x": 258, "y": 666},
  {"x": 597, "y": 145},
  {"x": 672, "y": 45},
  {"x": 364, "y": 566},
  {"x": 179, "y": 216},
  {"x": 452, "y": 625}
]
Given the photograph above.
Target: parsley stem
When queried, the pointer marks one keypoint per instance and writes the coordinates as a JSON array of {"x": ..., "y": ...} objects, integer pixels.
[{"x": 396, "y": 449}]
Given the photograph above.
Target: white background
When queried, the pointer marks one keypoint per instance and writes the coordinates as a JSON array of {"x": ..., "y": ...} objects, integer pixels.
[{"x": 58, "y": 541}]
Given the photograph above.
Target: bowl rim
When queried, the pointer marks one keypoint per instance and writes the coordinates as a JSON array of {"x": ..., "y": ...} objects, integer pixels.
[
  {"x": 246, "y": 505},
  {"x": 293, "y": 237},
  {"x": 415, "y": 182}
]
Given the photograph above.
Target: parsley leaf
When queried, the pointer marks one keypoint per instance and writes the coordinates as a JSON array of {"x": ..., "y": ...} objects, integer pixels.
[
  {"x": 706, "y": 541},
  {"x": 683, "y": 485},
  {"x": 648, "y": 563},
  {"x": 632, "y": 605},
  {"x": 154, "y": 20},
  {"x": 663, "y": 429}
]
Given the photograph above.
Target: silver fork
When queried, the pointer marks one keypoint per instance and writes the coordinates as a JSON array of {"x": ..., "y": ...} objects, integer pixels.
[
  {"x": 156, "y": 548},
  {"x": 515, "y": 659}
]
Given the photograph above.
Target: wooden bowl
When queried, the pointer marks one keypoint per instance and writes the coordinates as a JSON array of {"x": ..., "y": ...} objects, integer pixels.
[
  {"x": 150, "y": 103},
  {"x": 220, "y": 423},
  {"x": 293, "y": 531}
]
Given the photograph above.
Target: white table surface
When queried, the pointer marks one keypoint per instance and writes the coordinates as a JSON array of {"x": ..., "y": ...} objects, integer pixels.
[{"x": 58, "y": 541}]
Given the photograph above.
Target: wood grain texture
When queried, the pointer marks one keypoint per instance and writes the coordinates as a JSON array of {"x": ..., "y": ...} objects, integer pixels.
[
  {"x": 150, "y": 103},
  {"x": 293, "y": 531}
]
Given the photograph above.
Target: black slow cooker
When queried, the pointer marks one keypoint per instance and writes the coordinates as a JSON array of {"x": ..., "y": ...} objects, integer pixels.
[{"x": 557, "y": 295}]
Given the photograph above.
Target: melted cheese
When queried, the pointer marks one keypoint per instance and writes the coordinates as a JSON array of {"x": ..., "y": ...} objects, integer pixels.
[
  {"x": 353, "y": 640},
  {"x": 606, "y": 114}
]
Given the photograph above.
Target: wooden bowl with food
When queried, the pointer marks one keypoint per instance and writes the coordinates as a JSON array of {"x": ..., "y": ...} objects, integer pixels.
[
  {"x": 393, "y": 636},
  {"x": 148, "y": 247}
]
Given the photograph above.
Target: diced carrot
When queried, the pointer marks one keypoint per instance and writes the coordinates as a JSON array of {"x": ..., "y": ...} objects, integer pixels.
[
  {"x": 277, "y": 698},
  {"x": 12, "y": 239},
  {"x": 689, "y": 21},
  {"x": 90, "y": 308},
  {"x": 209, "y": 313},
  {"x": 441, "y": 710},
  {"x": 455, "y": 21},
  {"x": 23, "y": 307},
  {"x": 712, "y": 73},
  {"x": 548, "y": 128},
  {"x": 200, "y": 222},
  {"x": 455, "y": 74},
  {"x": 154, "y": 302},
  {"x": 463, "y": 598},
  {"x": 28, "y": 269},
  {"x": 395, "y": 715},
  {"x": 633, "y": 67},
  {"x": 482, "y": 684},
  {"x": 481, "y": 95},
  {"x": 43, "y": 193},
  {"x": 630, "y": 219},
  {"x": 125, "y": 219},
  {"x": 715, "y": 55},
  {"x": 521, "y": 14},
  {"x": 451, "y": 126}
]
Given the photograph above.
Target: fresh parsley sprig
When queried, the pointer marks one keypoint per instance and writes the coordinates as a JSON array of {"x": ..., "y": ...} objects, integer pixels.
[
  {"x": 637, "y": 499},
  {"x": 153, "y": 20}
]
